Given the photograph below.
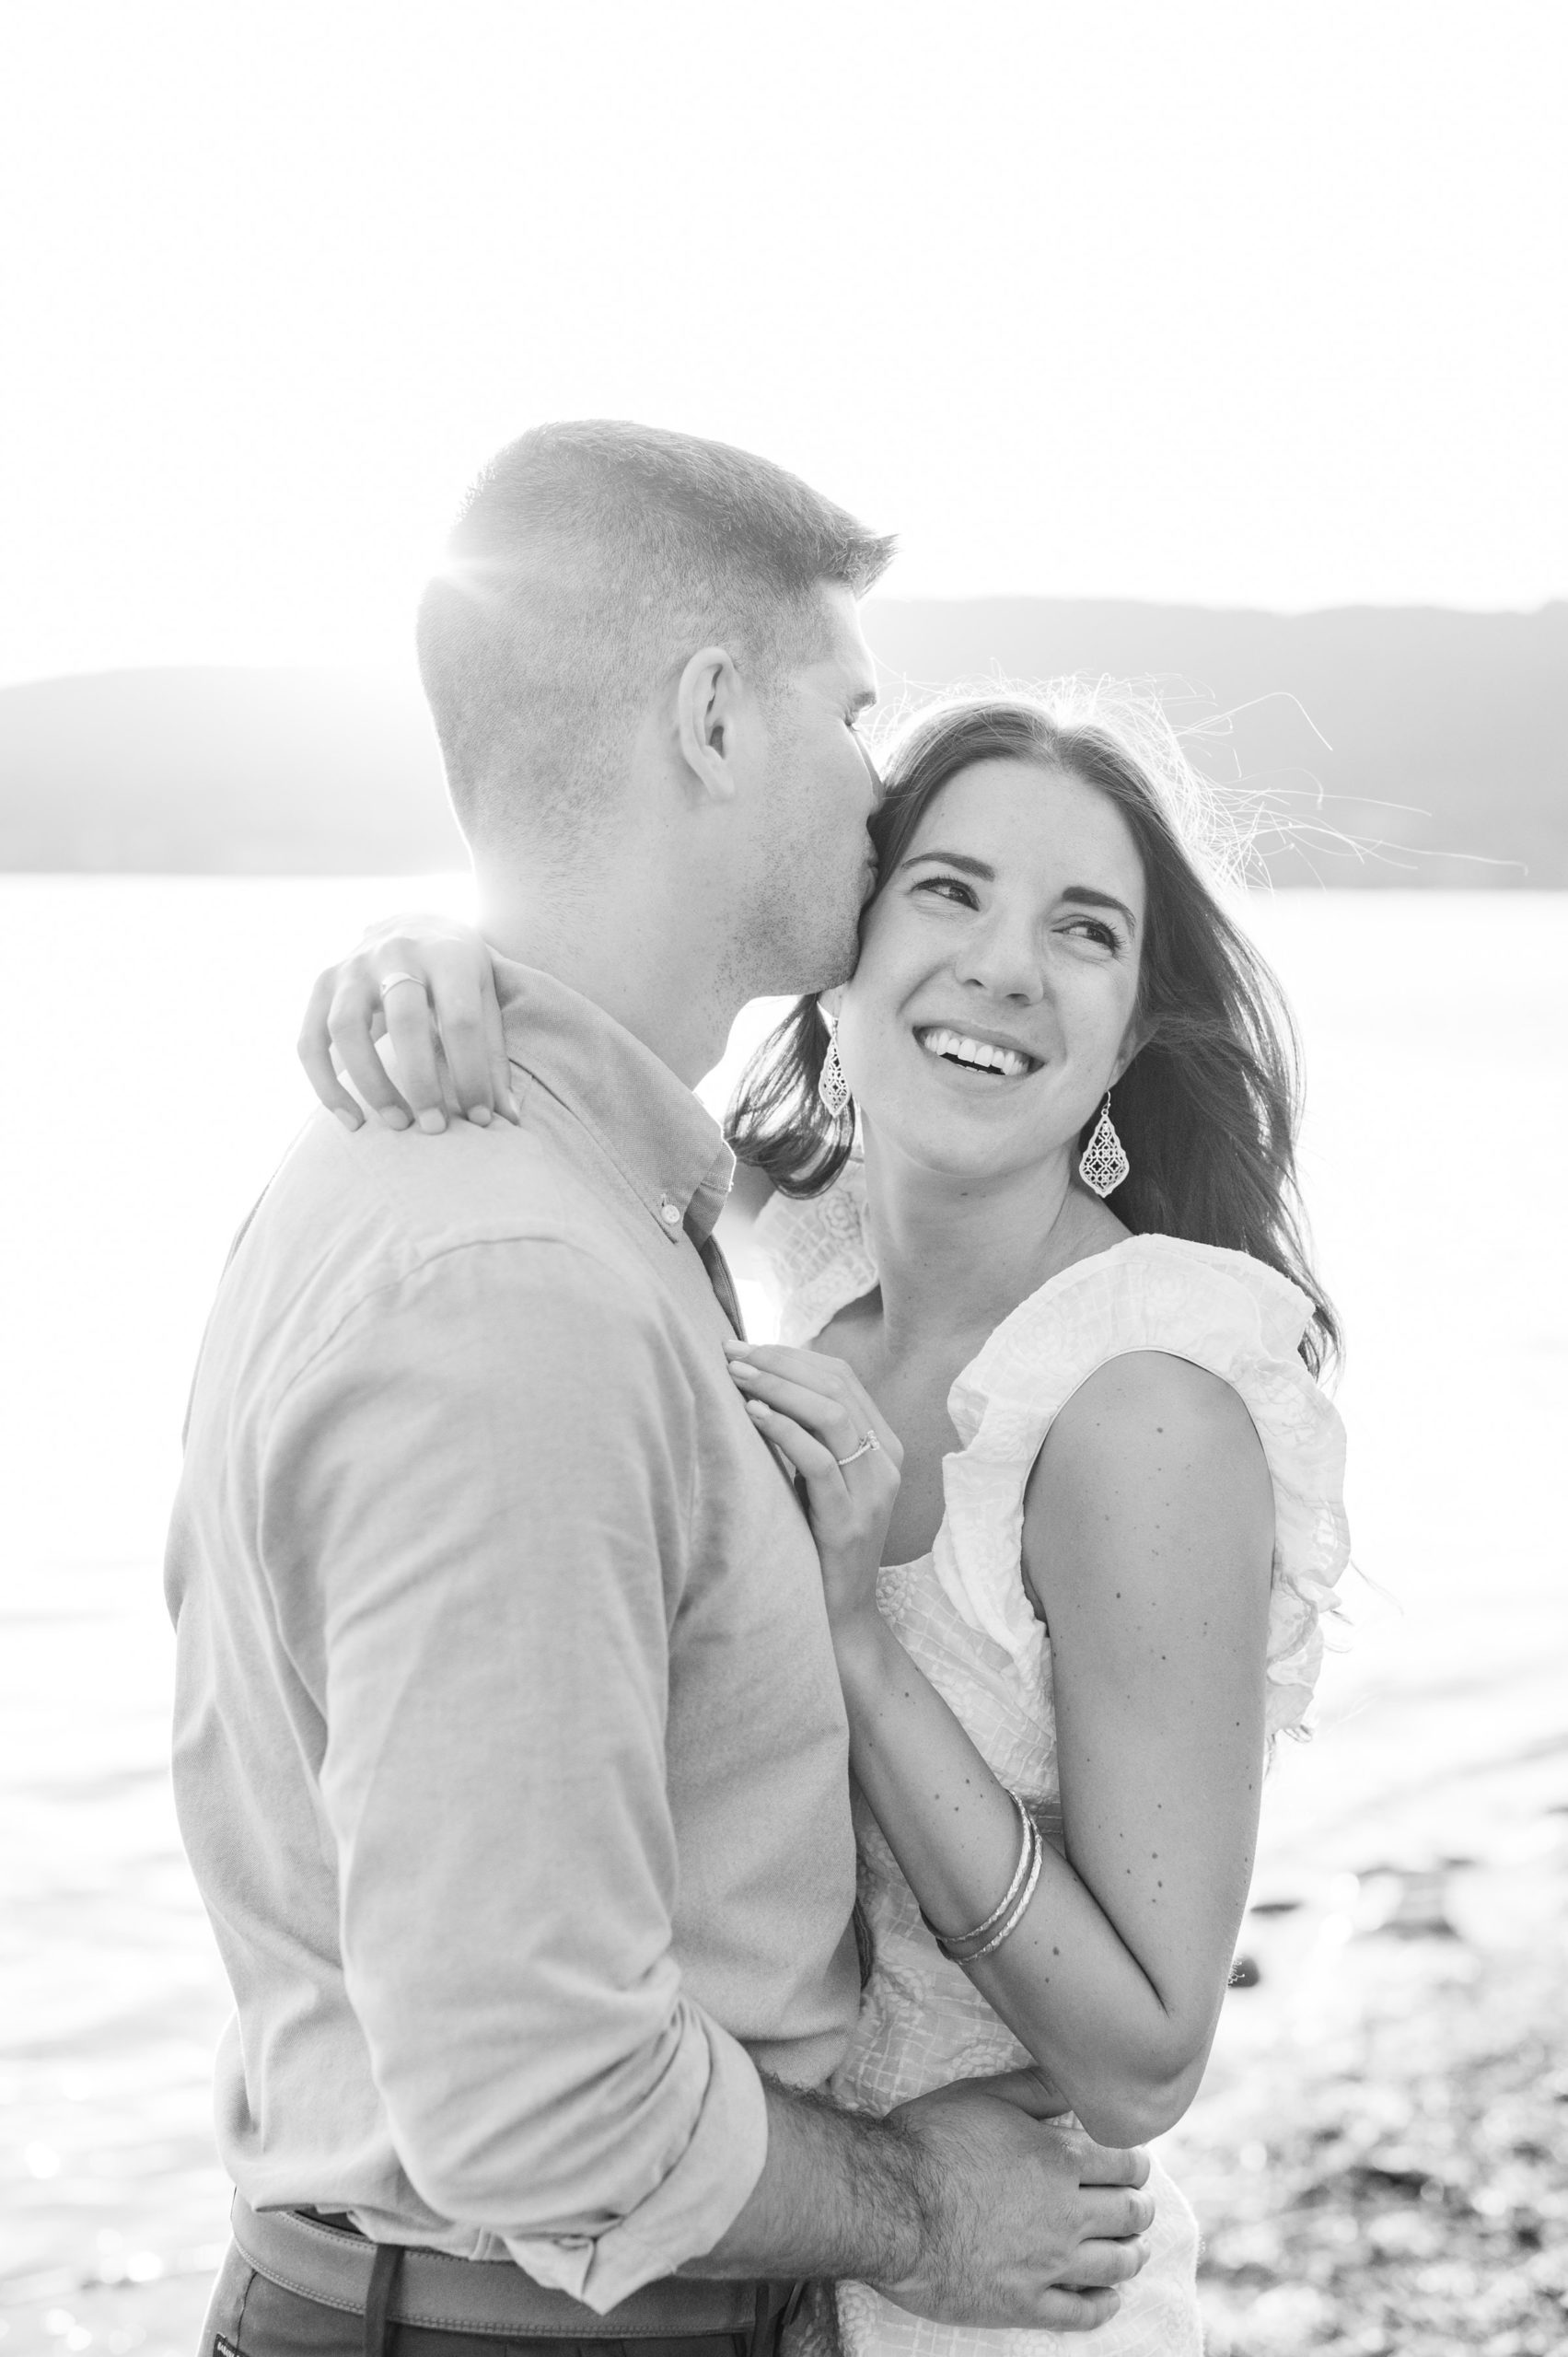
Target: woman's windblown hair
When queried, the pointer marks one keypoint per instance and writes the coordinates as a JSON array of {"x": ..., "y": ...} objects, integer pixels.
[{"x": 1209, "y": 1108}]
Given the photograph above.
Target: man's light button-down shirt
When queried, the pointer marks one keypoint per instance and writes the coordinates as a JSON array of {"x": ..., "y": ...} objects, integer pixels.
[{"x": 509, "y": 1751}]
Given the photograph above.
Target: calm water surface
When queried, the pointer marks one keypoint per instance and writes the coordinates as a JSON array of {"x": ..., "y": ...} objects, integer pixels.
[{"x": 151, "y": 1086}]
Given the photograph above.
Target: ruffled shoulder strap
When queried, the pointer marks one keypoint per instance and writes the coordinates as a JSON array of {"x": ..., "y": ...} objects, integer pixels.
[
  {"x": 1222, "y": 1310},
  {"x": 820, "y": 1252}
]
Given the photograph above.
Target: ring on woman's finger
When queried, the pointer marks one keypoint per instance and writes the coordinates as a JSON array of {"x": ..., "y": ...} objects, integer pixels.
[
  {"x": 391, "y": 983},
  {"x": 867, "y": 1445}
]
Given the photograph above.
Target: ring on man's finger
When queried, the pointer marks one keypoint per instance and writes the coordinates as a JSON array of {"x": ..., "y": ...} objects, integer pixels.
[
  {"x": 391, "y": 983},
  {"x": 867, "y": 1445}
]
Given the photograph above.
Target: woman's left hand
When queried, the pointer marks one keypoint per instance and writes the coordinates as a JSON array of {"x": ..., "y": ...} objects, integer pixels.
[{"x": 817, "y": 1413}]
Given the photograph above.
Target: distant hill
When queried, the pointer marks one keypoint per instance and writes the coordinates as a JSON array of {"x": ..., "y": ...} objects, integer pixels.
[
  {"x": 1437, "y": 742},
  {"x": 1446, "y": 733},
  {"x": 221, "y": 773}
]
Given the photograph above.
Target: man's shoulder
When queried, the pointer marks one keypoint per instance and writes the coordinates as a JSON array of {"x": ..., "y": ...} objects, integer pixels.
[{"x": 377, "y": 1217}]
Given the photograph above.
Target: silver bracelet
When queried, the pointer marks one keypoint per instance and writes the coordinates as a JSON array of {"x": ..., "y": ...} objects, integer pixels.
[
  {"x": 956, "y": 1947},
  {"x": 1022, "y": 1908}
]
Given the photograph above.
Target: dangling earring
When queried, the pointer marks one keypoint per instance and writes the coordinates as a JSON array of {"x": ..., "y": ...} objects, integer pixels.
[
  {"x": 832, "y": 1086},
  {"x": 1104, "y": 1163}
]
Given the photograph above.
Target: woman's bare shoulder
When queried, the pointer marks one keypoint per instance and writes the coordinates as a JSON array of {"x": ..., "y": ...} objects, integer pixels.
[
  {"x": 1151, "y": 1394},
  {"x": 1148, "y": 1425}
]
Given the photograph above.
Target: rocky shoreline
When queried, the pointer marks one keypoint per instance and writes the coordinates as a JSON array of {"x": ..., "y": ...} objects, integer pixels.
[{"x": 1380, "y": 2157}]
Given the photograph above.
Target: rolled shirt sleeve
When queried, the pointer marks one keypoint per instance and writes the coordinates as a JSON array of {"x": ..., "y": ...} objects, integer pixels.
[{"x": 477, "y": 1500}]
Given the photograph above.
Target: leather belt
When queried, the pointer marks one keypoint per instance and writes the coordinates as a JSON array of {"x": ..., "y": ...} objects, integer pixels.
[{"x": 432, "y": 2289}]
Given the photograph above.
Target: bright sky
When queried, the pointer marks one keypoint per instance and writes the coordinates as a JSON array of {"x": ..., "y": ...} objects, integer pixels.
[{"x": 1224, "y": 302}]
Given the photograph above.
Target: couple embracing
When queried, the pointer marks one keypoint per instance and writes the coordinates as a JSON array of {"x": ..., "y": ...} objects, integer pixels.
[{"x": 686, "y": 1820}]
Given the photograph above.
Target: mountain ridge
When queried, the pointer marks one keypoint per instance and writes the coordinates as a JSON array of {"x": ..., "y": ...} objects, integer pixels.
[{"x": 1392, "y": 745}]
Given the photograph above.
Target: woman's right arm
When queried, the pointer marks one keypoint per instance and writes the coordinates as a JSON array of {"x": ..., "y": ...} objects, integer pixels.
[{"x": 443, "y": 1028}]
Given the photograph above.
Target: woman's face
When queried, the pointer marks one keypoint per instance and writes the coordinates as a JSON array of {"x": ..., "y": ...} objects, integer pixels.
[{"x": 993, "y": 1005}]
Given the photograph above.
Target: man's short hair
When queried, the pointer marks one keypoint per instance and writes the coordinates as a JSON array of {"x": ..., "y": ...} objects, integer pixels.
[{"x": 590, "y": 562}]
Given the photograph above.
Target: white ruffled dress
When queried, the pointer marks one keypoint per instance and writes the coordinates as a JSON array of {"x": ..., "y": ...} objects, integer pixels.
[{"x": 963, "y": 1615}]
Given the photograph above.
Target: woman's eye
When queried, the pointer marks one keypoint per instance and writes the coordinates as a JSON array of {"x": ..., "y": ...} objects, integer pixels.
[
  {"x": 949, "y": 888},
  {"x": 1103, "y": 936}
]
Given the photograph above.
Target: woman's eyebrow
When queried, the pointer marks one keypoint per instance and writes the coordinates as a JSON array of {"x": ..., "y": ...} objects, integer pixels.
[
  {"x": 1089, "y": 898},
  {"x": 959, "y": 859}
]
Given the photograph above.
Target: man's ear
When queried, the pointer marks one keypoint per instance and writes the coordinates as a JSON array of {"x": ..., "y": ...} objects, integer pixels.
[{"x": 706, "y": 703}]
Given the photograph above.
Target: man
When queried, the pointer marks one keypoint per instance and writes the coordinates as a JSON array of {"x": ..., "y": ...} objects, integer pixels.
[{"x": 509, "y": 1750}]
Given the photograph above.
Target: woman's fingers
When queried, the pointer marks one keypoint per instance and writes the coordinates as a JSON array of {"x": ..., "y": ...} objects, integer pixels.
[
  {"x": 354, "y": 1023},
  {"x": 501, "y": 1094},
  {"x": 825, "y": 1417},
  {"x": 822, "y": 1393},
  {"x": 458, "y": 976},
  {"x": 314, "y": 1048},
  {"x": 809, "y": 1457},
  {"x": 412, "y": 1034}
]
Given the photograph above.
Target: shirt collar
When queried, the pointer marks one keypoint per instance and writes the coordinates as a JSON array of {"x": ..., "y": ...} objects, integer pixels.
[{"x": 662, "y": 1140}]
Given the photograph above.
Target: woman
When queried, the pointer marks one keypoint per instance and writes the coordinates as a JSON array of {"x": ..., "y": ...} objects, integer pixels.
[{"x": 1076, "y": 1491}]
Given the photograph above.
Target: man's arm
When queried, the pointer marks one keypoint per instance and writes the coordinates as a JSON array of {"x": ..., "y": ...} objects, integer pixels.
[
  {"x": 969, "y": 2206},
  {"x": 474, "y": 1512}
]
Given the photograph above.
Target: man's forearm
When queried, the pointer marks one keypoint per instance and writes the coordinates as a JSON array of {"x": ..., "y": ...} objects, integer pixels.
[
  {"x": 839, "y": 2196},
  {"x": 965, "y": 2205}
]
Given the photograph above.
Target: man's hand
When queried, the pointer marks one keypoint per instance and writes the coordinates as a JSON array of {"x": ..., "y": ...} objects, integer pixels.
[
  {"x": 968, "y": 2206},
  {"x": 1026, "y": 2224}
]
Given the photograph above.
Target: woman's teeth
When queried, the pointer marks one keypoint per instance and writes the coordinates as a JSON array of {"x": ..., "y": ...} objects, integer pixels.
[{"x": 978, "y": 1054}]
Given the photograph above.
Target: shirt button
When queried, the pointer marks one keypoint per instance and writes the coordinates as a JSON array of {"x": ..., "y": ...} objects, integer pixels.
[{"x": 669, "y": 1213}]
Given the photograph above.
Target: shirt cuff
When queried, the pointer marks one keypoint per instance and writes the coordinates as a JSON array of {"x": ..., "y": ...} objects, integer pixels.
[{"x": 687, "y": 2209}]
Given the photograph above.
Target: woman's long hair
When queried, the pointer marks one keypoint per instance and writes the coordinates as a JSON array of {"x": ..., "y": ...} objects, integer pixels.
[{"x": 1210, "y": 1106}]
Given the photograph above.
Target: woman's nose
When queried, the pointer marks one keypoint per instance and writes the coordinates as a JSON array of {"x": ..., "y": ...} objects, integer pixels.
[{"x": 1005, "y": 961}]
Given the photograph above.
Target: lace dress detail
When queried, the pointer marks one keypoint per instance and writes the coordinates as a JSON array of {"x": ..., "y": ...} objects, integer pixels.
[{"x": 962, "y": 1614}]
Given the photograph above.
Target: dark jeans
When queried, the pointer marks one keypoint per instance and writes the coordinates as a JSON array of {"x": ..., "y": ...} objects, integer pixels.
[{"x": 248, "y": 2316}]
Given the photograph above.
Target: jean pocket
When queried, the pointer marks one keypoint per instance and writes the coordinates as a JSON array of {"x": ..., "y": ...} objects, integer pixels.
[{"x": 223, "y": 2326}]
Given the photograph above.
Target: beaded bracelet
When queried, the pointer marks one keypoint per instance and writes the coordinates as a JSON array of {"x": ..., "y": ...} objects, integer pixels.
[{"x": 960, "y": 1947}]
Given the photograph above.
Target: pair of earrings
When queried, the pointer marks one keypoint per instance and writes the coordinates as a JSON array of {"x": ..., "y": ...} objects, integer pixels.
[{"x": 1102, "y": 1167}]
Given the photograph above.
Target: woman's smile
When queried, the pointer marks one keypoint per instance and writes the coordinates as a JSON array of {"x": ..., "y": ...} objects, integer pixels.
[{"x": 982, "y": 1052}]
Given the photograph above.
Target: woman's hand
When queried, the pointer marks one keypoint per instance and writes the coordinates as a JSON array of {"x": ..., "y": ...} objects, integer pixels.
[
  {"x": 443, "y": 1026},
  {"x": 817, "y": 1413}
]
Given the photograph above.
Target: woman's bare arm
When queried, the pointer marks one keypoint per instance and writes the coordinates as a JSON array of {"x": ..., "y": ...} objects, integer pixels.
[
  {"x": 1148, "y": 1545},
  {"x": 1148, "y": 1538}
]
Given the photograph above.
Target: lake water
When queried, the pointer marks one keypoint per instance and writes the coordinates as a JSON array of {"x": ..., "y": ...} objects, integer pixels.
[{"x": 150, "y": 1086}]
